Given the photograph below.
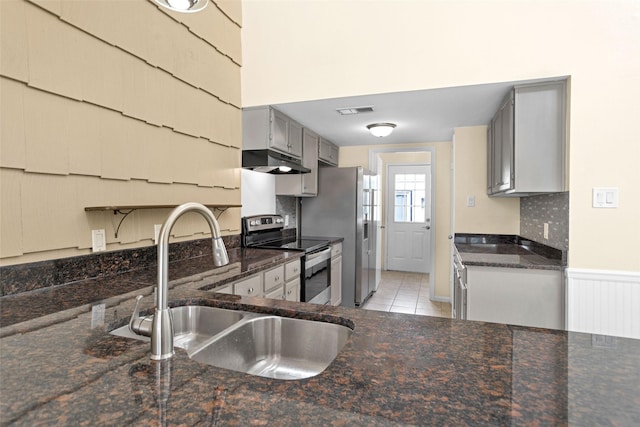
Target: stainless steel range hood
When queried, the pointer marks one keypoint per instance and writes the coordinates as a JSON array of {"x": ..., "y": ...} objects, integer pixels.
[{"x": 270, "y": 161}]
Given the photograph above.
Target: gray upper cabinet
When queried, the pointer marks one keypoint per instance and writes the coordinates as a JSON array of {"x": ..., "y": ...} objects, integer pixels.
[
  {"x": 265, "y": 127},
  {"x": 526, "y": 149},
  {"x": 328, "y": 152},
  {"x": 306, "y": 184},
  {"x": 501, "y": 148}
]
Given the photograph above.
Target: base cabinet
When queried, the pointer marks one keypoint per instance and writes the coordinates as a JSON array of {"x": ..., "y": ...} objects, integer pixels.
[
  {"x": 281, "y": 282},
  {"x": 336, "y": 274},
  {"x": 515, "y": 296}
]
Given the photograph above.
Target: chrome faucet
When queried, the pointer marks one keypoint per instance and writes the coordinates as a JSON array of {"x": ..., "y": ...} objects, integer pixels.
[{"x": 161, "y": 327}]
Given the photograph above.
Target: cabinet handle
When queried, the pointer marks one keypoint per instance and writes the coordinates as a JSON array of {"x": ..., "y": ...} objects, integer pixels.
[
  {"x": 250, "y": 290},
  {"x": 295, "y": 270},
  {"x": 275, "y": 279},
  {"x": 289, "y": 292}
]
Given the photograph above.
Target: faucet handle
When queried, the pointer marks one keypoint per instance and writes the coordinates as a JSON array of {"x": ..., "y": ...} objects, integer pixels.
[{"x": 140, "y": 325}]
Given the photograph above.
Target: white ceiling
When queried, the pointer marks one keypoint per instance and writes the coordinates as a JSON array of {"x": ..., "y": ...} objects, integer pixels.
[{"x": 420, "y": 116}]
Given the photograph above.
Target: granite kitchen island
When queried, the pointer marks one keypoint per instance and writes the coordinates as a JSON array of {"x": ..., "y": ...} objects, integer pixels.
[{"x": 64, "y": 368}]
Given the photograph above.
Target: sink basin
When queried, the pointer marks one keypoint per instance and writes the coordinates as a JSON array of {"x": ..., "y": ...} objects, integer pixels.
[
  {"x": 193, "y": 325},
  {"x": 276, "y": 347},
  {"x": 257, "y": 344}
]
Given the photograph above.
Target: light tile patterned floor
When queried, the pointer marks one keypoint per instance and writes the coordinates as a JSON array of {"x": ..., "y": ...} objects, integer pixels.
[{"x": 401, "y": 292}]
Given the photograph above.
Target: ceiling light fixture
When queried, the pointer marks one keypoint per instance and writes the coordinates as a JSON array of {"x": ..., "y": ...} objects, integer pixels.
[
  {"x": 381, "y": 129},
  {"x": 183, "y": 5}
]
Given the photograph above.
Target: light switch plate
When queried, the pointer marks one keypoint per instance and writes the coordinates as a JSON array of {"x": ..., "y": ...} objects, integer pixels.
[
  {"x": 605, "y": 197},
  {"x": 471, "y": 201}
]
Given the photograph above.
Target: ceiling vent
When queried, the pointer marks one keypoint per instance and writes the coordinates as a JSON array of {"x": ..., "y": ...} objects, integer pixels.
[{"x": 354, "y": 110}]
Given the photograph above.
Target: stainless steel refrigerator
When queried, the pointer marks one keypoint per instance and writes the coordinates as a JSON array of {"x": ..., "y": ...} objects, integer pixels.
[{"x": 345, "y": 207}]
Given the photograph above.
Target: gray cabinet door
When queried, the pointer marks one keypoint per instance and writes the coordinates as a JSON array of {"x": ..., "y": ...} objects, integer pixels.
[
  {"x": 310, "y": 160},
  {"x": 506, "y": 145},
  {"x": 305, "y": 184},
  {"x": 294, "y": 147},
  {"x": 328, "y": 152},
  {"x": 500, "y": 147},
  {"x": 279, "y": 132}
]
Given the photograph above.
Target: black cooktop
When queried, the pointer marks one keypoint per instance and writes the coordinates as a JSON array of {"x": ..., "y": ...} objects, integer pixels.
[{"x": 293, "y": 244}]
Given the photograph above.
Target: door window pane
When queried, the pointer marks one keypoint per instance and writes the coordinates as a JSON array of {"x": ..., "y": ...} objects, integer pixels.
[{"x": 409, "y": 198}]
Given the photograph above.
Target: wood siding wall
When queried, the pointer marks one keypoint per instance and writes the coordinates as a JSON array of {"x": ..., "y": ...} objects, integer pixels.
[{"x": 114, "y": 103}]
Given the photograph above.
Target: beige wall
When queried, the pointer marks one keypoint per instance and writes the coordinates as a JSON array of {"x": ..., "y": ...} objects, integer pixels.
[
  {"x": 359, "y": 156},
  {"x": 494, "y": 215},
  {"x": 332, "y": 49},
  {"x": 114, "y": 103}
]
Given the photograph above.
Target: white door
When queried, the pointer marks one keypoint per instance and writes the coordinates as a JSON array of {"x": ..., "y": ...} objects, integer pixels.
[{"x": 409, "y": 218}]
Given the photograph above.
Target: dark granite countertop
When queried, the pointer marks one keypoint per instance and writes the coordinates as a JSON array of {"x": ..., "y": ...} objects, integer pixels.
[
  {"x": 507, "y": 251},
  {"x": 41, "y": 302},
  {"x": 64, "y": 368}
]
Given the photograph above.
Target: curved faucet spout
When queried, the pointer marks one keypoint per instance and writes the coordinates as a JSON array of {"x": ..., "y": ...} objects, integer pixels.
[{"x": 162, "y": 327}]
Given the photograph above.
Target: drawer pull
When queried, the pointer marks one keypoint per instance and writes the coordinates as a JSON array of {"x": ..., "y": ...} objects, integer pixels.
[{"x": 250, "y": 290}]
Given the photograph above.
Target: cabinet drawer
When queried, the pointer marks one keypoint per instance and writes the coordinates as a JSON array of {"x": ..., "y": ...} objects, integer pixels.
[
  {"x": 226, "y": 289},
  {"x": 292, "y": 270},
  {"x": 336, "y": 250},
  {"x": 251, "y": 286},
  {"x": 273, "y": 278},
  {"x": 277, "y": 293},
  {"x": 292, "y": 290}
]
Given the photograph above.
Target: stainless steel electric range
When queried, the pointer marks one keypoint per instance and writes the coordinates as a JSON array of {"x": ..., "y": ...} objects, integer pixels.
[{"x": 265, "y": 231}]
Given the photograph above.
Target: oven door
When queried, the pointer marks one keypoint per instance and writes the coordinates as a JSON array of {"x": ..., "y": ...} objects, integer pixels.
[{"x": 316, "y": 283}]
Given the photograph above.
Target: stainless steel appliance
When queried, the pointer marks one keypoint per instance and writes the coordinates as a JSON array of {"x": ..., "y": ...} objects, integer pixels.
[
  {"x": 265, "y": 231},
  {"x": 346, "y": 207},
  {"x": 459, "y": 287}
]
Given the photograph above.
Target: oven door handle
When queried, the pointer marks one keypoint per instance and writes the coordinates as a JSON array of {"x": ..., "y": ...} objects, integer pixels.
[{"x": 311, "y": 260}]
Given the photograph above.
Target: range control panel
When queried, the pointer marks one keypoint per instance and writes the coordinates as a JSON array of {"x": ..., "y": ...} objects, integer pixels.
[{"x": 255, "y": 223}]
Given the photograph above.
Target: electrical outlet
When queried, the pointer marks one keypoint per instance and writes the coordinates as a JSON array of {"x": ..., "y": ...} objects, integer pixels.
[
  {"x": 98, "y": 240},
  {"x": 545, "y": 232},
  {"x": 156, "y": 233}
]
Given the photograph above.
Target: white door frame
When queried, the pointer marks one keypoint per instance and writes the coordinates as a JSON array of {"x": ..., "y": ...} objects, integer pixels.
[{"x": 374, "y": 157}]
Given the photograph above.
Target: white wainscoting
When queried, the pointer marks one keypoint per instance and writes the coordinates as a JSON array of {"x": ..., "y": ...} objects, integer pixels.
[{"x": 603, "y": 302}]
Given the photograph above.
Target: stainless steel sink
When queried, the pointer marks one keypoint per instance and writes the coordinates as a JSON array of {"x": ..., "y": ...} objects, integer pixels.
[
  {"x": 193, "y": 325},
  {"x": 263, "y": 345},
  {"x": 276, "y": 347}
]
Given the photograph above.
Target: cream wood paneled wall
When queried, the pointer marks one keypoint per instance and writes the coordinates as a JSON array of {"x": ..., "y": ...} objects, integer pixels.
[
  {"x": 114, "y": 103},
  {"x": 492, "y": 215},
  {"x": 359, "y": 156}
]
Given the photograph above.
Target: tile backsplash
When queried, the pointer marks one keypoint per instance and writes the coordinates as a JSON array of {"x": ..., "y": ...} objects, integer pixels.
[
  {"x": 286, "y": 205},
  {"x": 550, "y": 208}
]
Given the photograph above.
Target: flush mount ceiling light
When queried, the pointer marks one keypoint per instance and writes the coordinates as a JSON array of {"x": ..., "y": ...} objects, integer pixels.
[
  {"x": 381, "y": 129},
  {"x": 183, "y": 5}
]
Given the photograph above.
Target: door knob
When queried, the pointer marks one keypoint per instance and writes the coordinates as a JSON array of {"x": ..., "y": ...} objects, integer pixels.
[{"x": 427, "y": 227}]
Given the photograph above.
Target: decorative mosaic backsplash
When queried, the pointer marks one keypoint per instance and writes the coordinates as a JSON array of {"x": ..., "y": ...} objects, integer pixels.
[{"x": 549, "y": 208}]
